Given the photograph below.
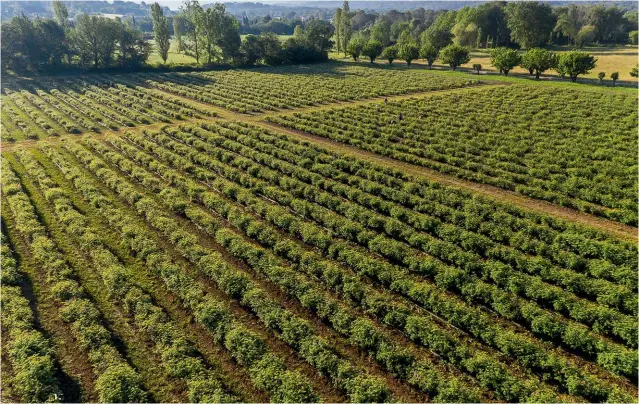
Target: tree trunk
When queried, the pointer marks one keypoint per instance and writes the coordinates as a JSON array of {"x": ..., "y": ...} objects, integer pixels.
[
  {"x": 573, "y": 79},
  {"x": 537, "y": 74},
  {"x": 506, "y": 72}
]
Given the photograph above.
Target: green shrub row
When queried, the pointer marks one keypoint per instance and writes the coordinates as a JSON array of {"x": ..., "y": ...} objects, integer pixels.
[
  {"x": 449, "y": 244},
  {"x": 586, "y": 177},
  {"x": 398, "y": 361},
  {"x": 507, "y": 226},
  {"x": 543, "y": 323},
  {"x": 30, "y": 353},
  {"x": 293, "y": 330},
  {"x": 266, "y": 370},
  {"x": 116, "y": 380},
  {"x": 481, "y": 324},
  {"x": 422, "y": 329},
  {"x": 178, "y": 355}
]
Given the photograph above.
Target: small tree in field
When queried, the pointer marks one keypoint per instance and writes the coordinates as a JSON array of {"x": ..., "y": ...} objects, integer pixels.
[
  {"x": 601, "y": 76},
  {"x": 477, "y": 67},
  {"x": 355, "y": 47},
  {"x": 372, "y": 49},
  {"x": 575, "y": 63},
  {"x": 390, "y": 53},
  {"x": 408, "y": 52},
  {"x": 429, "y": 53},
  {"x": 504, "y": 59},
  {"x": 454, "y": 55},
  {"x": 538, "y": 60},
  {"x": 634, "y": 72},
  {"x": 614, "y": 76}
]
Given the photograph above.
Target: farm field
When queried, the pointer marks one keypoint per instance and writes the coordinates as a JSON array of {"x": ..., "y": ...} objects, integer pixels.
[
  {"x": 174, "y": 237},
  {"x": 34, "y": 109},
  {"x": 573, "y": 148}
]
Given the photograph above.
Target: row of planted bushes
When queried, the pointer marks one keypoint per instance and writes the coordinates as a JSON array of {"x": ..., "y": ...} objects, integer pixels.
[
  {"x": 398, "y": 361},
  {"x": 448, "y": 277},
  {"x": 422, "y": 329},
  {"x": 116, "y": 380},
  {"x": 427, "y": 206},
  {"x": 177, "y": 354},
  {"x": 266, "y": 370},
  {"x": 504, "y": 347},
  {"x": 448, "y": 243},
  {"x": 294, "y": 331},
  {"x": 29, "y": 351}
]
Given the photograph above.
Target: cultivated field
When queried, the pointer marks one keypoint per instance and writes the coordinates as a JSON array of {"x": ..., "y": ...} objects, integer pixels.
[
  {"x": 577, "y": 148},
  {"x": 223, "y": 236}
]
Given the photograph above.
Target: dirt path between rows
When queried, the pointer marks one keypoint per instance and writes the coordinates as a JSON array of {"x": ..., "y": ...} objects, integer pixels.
[{"x": 616, "y": 229}]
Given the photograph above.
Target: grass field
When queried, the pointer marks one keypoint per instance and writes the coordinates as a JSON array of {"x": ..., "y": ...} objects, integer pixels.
[
  {"x": 179, "y": 58},
  {"x": 609, "y": 60},
  {"x": 620, "y": 59},
  {"x": 278, "y": 234}
]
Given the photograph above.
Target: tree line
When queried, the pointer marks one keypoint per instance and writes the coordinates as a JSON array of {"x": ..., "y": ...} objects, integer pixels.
[
  {"x": 211, "y": 35},
  {"x": 489, "y": 25},
  {"x": 90, "y": 41}
]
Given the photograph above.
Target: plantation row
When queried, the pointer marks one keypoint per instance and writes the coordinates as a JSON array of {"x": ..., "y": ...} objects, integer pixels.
[
  {"x": 622, "y": 324},
  {"x": 29, "y": 351},
  {"x": 457, "y": 297},
  {"x": 400, "y": 362},
  {"x": 33, "y": 109},
  {"x": 116, "y": 381},
  {"x": 574, "y": 148},
  {"x": 609, "y": 355},
  {"x": 253, "y": 91}
]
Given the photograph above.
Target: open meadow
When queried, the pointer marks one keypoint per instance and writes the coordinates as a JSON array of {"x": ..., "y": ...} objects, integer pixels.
[{"x": 332, "y": 232}]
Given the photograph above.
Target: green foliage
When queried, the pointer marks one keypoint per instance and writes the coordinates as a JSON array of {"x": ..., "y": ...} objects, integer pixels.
[
  {"x": 633, "y": 37},
  {"x": 586, "y": 36},
  {"x": 575, "y": 63},
  {"x": 372, "y": 49},
  {"x": 538, "y": 60},
  {"x": 504, "y": 59},
  {"x": 390, "y": 53},
  {"x": 454, "y": 56},
  {"x": 161, "y": 32},
  {"x": 120, "y": 384},
  {"x": 355, "y": 46},
  {"x": 408, "y": 52},
  {"x": 529, "y": 22},
  {"x": 429, "y": 53}
]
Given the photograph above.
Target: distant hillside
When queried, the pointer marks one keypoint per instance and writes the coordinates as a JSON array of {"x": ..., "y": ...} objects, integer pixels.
[
  {"x": 33, "y": 9},
  {"x": 317, "y": 8}
]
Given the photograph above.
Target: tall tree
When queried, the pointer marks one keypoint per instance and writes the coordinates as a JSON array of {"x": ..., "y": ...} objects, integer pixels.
[
  {"x": 439, "y": 34},
  {"x": 491, "y": 20},
  {"x": 570, "y": 20},
  {"x": 228, "y": 33},
  {"x": 337, "y": 23},
  {"x": 178, "y": 30},
  {"x": 161, "y": 31},
  {"x": 380, "y": 31},
  {"x": 530, "y": 22},
  {"x": 194, "y": 18},
  {"x": 347, "y": 30},
  {"x": 87, "y": 39},
  {"x": 60, "y": 13}
]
